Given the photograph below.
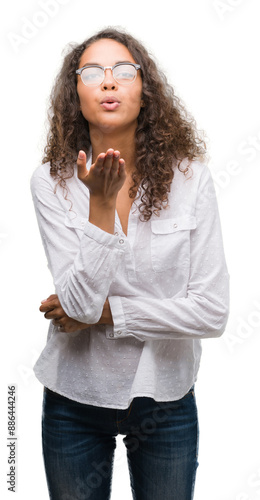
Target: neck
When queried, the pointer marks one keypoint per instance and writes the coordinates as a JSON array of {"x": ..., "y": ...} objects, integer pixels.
[{"x": 123, "y": 141}]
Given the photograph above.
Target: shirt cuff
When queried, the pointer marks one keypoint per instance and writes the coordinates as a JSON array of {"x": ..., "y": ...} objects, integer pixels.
[
  {"x": 104, "y": 238},
  {"x": 119, "y": 329}
]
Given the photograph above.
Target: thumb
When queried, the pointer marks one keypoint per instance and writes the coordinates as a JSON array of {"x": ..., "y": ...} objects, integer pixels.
[
  {"x": 82, "y": 165},
  {"x": 52, "y": 296}
]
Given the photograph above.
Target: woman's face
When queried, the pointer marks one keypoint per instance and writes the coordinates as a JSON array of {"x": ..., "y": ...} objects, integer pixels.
[{"x": 115, "y": 118}]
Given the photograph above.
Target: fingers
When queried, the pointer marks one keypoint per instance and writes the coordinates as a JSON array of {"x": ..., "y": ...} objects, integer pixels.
[
  {"x": 108, "y": 162},
  {"x": 106, "y": 175},
  {"x": 50, "y": 303},
  {"x": 56, "y": 313},
  {"x": 82, "y": 165},
  {"x": 113, "y": 164},
  {"x": 69, "y": 325},
  {"x": 51, "y": 297},
  {"x": 121, "y": 168}
]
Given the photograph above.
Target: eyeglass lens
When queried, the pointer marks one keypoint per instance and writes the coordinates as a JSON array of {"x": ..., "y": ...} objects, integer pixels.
[{"x": 123, "y": 74}]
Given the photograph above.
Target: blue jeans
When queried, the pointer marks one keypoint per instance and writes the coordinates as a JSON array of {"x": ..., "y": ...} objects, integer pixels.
[{"x": 161, "y": 440}]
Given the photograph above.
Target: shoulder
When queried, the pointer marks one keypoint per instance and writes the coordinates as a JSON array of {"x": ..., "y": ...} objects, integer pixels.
[
  {"x": 191, "y": 173},
  {"x": 188, "y": 188},
  {"x": 41, "y": 176},
  {"x": 42, "y": 179},
  {"x": 47, "y": 190},
  {"x": 191, "y": 169}
]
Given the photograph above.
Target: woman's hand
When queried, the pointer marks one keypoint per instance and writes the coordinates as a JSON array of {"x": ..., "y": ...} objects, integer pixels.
[
  {"x": 53, "y": 310},
  {"x": 105, "y": 177}
]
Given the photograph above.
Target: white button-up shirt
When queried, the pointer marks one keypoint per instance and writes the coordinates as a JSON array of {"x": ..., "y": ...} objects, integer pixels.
[{"x": 166, "y": 281}]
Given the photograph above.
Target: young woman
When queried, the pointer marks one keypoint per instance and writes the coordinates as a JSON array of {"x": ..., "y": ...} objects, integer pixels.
[{"x": 129, "y": 221}]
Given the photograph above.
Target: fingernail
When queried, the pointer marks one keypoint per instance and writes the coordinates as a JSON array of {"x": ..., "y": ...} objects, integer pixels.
[{"x": 81, "y": 155}]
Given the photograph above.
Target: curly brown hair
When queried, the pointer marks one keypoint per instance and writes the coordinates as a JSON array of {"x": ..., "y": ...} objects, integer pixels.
[{"x": 166, "y": 134}]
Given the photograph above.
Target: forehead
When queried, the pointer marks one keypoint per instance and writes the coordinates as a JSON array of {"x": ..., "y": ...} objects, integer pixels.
[{"x": 106, "y": 52}]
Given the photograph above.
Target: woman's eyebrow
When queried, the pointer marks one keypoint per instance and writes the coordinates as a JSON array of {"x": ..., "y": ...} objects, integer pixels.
[{"x": 98, "y": 64}]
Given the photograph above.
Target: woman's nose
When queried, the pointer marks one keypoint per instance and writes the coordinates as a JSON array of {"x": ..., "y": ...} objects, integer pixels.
[{"x": 109, "y": 82}]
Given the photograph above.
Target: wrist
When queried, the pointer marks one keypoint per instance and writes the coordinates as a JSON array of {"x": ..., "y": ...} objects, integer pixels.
[
  {"x": 106, "y": 317},
  {"x": 102, "y": 213},
  {"x": 100, "y": 203}
]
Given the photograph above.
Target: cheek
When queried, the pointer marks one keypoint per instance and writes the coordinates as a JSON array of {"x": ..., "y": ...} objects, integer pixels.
[
  {"x": 138, "y": 96},
  {"x": 85, "y": 98},
  {"x": 134, "y": 101}
]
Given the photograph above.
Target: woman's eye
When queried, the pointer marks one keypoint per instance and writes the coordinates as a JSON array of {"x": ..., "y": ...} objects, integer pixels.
[
  {"x": 91, "y": 75},
  {"x": 125, "y": 75}
]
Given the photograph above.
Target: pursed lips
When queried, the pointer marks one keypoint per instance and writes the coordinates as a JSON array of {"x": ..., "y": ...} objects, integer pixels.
[{"x": 110, "y": 103}]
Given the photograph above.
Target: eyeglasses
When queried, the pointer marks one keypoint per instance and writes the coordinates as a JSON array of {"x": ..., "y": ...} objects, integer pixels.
[{"x": 93, "y": 75}]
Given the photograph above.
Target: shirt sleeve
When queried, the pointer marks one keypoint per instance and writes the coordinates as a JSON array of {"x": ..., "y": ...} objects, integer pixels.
[
  {"x": 203, "y": 310},
  {"x": 82, "y": 267}
]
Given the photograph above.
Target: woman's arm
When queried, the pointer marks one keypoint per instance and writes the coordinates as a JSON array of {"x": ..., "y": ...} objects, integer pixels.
[
  {"x": 104, "y": 179},
  {"x": 82, "y": 268},
  {"x": 201, "y": 311},
  {"x": 53, "y": 310}
]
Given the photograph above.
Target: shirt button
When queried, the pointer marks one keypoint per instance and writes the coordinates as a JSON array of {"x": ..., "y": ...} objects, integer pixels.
[
  {"x": 119, "y": 332},
  {"x": 116, "y": 234},
  {"x": 121, "y": 241},
  {"x": 175, "y": 225},
  {"x": 111, "y": 335}
]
